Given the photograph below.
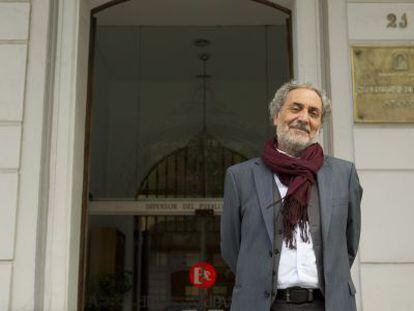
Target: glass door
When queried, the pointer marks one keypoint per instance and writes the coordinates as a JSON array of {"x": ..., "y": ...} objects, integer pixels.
[
  {"x": 173, "y": 104},
  {"x": 157, "y": 277}
]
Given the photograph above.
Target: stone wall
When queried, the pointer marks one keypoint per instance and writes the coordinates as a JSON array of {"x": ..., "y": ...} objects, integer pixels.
[
  {"x": 384, "y": 156},
  {"x": 14, "y": 26}
]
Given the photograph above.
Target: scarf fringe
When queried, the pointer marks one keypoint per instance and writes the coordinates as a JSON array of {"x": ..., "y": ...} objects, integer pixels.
[
  {"x": 298, "y": 174},
  {"x": 294, "y": 213}
]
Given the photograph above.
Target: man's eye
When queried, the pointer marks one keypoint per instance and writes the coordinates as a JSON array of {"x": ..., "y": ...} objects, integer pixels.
[{"x": 315, "y": 114}]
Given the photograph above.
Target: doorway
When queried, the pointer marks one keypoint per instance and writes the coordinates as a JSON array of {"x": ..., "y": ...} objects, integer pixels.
[
  {"x": 175, "y": 99},
  {"x": 157, "y": 278}
]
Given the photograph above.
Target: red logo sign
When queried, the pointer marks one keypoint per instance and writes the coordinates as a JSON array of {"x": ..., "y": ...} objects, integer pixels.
[{"x": 203, "y": 275}]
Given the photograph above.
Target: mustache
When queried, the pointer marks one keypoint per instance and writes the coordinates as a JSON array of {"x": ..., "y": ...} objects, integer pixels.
[{"x": 300, "y": 126}]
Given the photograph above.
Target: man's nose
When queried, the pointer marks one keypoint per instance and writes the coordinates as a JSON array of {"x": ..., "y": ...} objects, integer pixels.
[{"x": 304, "y": 116}]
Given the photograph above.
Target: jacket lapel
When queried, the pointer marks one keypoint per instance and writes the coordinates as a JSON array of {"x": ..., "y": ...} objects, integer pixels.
[
  {"x": 324, "y": 177},
  {"x": 263, "y": 178}
]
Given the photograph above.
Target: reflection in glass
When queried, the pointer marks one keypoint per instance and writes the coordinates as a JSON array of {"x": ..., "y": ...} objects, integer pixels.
[{"x": 162, "y": 249}]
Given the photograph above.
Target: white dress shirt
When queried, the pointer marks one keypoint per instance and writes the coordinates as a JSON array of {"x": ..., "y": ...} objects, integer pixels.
[{"x": 297, "y": 267}]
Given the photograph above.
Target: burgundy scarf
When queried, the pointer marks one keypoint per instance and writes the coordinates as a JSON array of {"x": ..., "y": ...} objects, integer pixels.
[{"x": 298, "y": 174}]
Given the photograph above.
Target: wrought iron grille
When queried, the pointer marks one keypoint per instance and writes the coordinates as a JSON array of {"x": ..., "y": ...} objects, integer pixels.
[{"x": 195, "y": 171}]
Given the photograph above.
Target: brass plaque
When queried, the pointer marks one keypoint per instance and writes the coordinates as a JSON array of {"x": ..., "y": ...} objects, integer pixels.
[{"x": 383, "y": 84}]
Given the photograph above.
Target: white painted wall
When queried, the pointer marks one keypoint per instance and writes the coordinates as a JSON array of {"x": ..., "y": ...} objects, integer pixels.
[
  {"x": 384, "y": 158},
  {"x": 14, "y": 34}
]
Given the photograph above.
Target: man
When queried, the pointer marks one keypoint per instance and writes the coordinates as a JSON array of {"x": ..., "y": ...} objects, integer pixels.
[{"x": 291, "y": 218}]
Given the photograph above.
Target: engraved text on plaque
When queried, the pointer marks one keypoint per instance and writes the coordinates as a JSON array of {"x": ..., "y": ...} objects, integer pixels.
[{"x": 383, "y": 83}]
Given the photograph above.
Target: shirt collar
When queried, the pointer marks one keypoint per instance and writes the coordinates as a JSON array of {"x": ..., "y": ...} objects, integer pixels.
[{"x": 285, "y": 153}]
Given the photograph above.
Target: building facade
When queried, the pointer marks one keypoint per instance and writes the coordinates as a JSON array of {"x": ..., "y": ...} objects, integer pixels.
[{"x": 45, "y": 85}]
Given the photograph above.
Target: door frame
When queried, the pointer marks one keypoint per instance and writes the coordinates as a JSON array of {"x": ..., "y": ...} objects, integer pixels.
[{"x": 70, "y": 84}]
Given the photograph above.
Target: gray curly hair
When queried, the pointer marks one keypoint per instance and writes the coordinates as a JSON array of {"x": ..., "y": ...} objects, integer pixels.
[{"x": 282, "y": 93}]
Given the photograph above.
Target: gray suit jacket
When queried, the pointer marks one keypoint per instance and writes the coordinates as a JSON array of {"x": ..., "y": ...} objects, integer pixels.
[{"x": 247, "y": 232}]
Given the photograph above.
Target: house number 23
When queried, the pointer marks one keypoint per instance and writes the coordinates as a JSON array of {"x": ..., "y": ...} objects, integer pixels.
[{"x": 393, "y": 21}]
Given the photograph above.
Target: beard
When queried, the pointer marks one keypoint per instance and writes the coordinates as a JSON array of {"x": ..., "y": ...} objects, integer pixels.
[{"x": 296, "y": 142}]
